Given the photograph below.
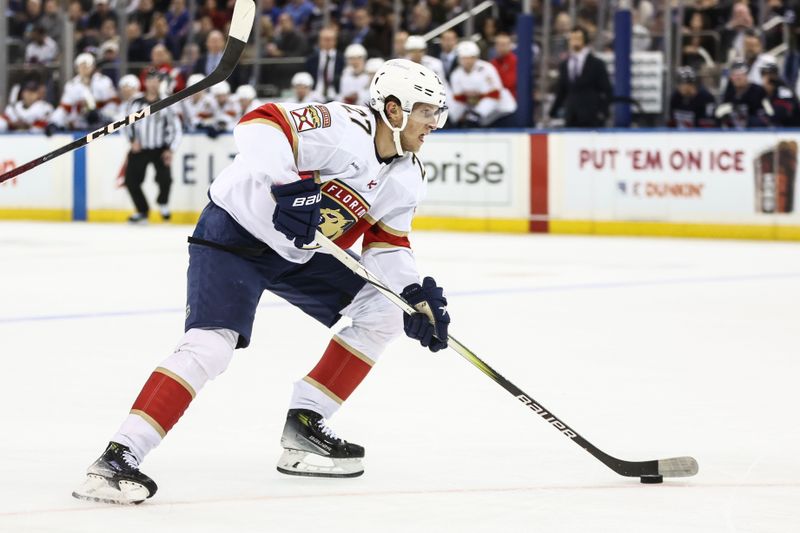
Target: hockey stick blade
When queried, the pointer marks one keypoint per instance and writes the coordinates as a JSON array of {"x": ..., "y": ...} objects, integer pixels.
[
  {"x": 671, "y": 467},
  {"x": 241, "y": 24}
]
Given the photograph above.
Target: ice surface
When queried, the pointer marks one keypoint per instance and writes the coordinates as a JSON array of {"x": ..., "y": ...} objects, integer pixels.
[{"x": 650, "y": 348}]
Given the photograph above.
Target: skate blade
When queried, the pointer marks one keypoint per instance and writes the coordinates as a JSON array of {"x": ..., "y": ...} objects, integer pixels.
[
  {"x": 99, "y": 489},
  {"x": 300, "y": 463}
]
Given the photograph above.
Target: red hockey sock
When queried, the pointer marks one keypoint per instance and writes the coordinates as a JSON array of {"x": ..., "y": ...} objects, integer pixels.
[
  {"x": 163, "y": 400},
  {"x": 341, "y": 369}
]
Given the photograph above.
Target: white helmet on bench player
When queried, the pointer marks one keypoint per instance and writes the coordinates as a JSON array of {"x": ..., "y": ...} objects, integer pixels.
[{"x": 411, "y": 83}]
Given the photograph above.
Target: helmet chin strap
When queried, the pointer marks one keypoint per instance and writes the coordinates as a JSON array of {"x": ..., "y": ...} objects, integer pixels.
[{"x": 396, "y": 131}]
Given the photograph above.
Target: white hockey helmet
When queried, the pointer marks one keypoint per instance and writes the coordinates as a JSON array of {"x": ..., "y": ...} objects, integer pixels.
[
  {"x": 223, "y": 88},
  {"x": 415, "y": 42},
  {"x": 355, "y": 50},
  {"x": 411, "y": 83},
  {"x": 246, "y": 92},
  {"x": 84, "y": 58},
  {"x": 303, "y": 78},
  {"x": 194, "y": 79},
  {"x": 467, "y": 49},
  {"x": 130, "y": 81}
]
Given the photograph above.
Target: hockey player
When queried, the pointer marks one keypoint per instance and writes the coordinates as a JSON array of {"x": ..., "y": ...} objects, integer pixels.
[
  {"x": 197, "y": 109},
  {"x": 246, "y": 98},
  {"x": 89, "y": 98},
  {"x": 691, "y": 105},
  {"x": 350, "y": 171},
  {"x": 784, "y": 103},
  {"x": 479, "y": 95},
  {"x": 743, "y": 104},
  {"x": 355, "y": 79},
  {"x": 129, "y": 89},
  {"x": 226, "y": 109},
  {"x": 302, "y": 89},
  {"x": 29, "y": 113},
  {"x": 417, "y": 51}
]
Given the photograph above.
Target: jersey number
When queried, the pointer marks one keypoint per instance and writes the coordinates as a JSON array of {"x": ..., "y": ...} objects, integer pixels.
[{"x": 360, "y": 118}]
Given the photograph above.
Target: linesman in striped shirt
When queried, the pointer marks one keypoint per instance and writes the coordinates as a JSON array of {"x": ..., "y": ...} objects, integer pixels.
[{"x": 153, "y": 141}]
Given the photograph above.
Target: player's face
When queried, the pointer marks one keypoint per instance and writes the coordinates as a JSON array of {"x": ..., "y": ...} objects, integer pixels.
[
  {"x": 467, "y": 62},
  {"x": 422, "y": 121},
  {"x": 739, "y": 78},
  {"x": 357, "y": 64},
  {"x": 29, "y": 97},
  {"x": 85, "y": 70}
]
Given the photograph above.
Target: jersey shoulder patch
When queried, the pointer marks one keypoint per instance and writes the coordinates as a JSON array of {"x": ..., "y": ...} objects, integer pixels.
[{"x": 310, "y": 117}]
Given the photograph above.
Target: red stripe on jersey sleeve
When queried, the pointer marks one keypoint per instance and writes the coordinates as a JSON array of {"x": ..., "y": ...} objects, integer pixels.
[
  {"x": 376, "y": 236},
  {"x": 271, "y": 113}
]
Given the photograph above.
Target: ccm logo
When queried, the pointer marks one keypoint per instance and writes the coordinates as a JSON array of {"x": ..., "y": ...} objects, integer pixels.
[
  {"x": 307, "y": 200},
  {"x": 114, "y": 126}
]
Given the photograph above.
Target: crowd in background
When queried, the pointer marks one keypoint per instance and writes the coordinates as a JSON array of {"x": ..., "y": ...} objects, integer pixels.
[{"x": 323, "y": 50}]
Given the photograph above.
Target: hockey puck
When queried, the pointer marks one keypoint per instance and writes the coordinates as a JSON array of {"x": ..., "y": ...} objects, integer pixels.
[{"x": 652, "y": 478}]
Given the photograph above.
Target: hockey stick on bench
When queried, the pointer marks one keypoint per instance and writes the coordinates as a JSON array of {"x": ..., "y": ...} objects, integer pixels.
[
  {"x": 671, "y": 467},
  {"x": 241, "y": 24}
]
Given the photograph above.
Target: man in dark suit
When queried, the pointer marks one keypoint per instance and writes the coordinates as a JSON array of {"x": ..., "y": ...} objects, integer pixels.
[
  {"x": 583, "y": 87},
  {"x": 207, "y": 62},
  {"x": 326, "y": 65}
]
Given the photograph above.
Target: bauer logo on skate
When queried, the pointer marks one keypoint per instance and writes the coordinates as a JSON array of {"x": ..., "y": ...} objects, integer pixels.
[{"x": 538, "y": 409}]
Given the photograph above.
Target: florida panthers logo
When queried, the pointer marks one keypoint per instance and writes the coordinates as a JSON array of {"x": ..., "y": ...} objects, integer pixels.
[
  {"x": 311, "y": 117},
  {"x": 333, "y": 223}
]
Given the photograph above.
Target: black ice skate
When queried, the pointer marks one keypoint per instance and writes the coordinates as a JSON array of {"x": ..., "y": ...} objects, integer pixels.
[
  {"x": 115, "y": 478},
  {"x": 312, "y": 449}
]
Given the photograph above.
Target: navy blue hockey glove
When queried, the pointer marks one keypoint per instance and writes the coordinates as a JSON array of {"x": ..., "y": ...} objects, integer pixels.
[
  {"x": 297, "y": 211},
  {"x": 429, "y": 324}
]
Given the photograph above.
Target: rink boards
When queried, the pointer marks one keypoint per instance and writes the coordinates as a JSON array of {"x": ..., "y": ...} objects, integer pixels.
[{"x": 709, "y": 184}]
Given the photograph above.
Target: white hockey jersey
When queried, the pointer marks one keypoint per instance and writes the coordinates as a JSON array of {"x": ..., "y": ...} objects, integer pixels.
[
  {"x": 332, "y": 143},
  {"x": 354, "y": 88},
  {"x": 480, "y": 91},
  {"x": 208, "y": 112},
  {"x": 99, "y": 94},
  {"x": 21, "y": 118}
]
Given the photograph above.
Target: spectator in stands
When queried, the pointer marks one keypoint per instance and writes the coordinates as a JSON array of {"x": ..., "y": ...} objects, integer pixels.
[
  {"x": 300, "y": 11},
  {"x": 219, "y": 17},
  {"x": 417, "y": 51},
  {"x": 160, "y": 35},
  {"x": 363, "y": 34},
  {"x": 178, "y": 20},
  {"x": 698, "y": 49},
  {"x": 691, "y": 105},
  {"x": 161, "y": 61},
  {"x": 289, "y": 42},
  {"x": 505, "y": 61},
  {"x": 108, "y": 32},
  {"x": 22, "y": 21},
  {"x": 271, "y": 9},
  {"x": 754, "y": 57},
  {"x": 77, "y": 17},
  {"x": 144, "y": 14},
  {"x": 354, "y": 76},
  {"x": 734, "y": 32},
  {"x": 743, "y": 102},
  {"x": 52, "y": 20},
  {"x": 215, "y": 45},
  {"x": 421, "y": 21},
  {"x": 559, "y": 42},
  {"x": 190, "y": 57},
  {"x": 326, "y": 65},
  {"x": 302, "y": 88},
  {"x": 399, "y": 44},
  {"x": 108, "y": 61},
  {"x": 42, "y": 48},
  {"x": 784, "y": 103},
  {"x": 447, "y": 55},
  {"x": 101, "y": 12},
  {"x": 246, "y": 98},
  {"x": 583, "y": 88},
  {"x": 479, "y": 96},
  {"x": 29, "y": 113},
  {"x": 486, "y": 42},
  {"x": 138, "y": 46},
  {"x": 83, "y": 103},
  {"x": 204, "y": 28}
]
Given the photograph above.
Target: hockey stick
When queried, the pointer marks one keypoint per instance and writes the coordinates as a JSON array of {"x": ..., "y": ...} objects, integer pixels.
[
  {"x": 671, "y": 467},
  {"x": 241, "y": 23}
]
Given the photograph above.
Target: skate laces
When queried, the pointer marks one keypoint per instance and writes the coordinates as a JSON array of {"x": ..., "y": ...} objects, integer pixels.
[
  {"x": 130, "y": 459},
  {"x": 327, "y": 431}
]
